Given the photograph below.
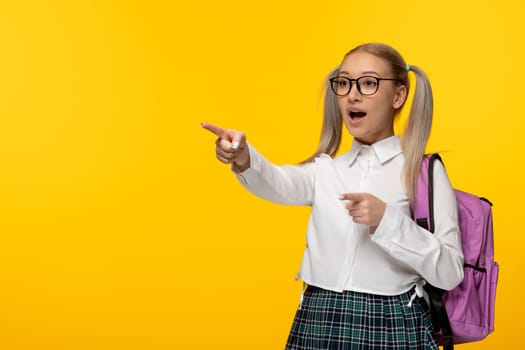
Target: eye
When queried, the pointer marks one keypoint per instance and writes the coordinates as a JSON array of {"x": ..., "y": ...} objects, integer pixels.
[
  {"x": 342, "y": 82},
  {"x": 368, "y": 82}
]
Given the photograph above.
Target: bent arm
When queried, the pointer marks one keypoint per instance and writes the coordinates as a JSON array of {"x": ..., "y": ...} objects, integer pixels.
[{"x": 437, "y": 257}]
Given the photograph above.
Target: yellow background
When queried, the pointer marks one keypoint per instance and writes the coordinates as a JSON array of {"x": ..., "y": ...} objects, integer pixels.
[{"x": 120, "y": 230}]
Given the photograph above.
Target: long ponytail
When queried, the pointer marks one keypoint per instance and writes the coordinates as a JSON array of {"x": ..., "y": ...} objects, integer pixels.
[
  {"x": 415, "y": 136},
  {"x": 331, "y": 131}
]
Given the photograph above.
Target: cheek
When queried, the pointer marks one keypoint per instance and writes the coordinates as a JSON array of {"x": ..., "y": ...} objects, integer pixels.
[
  {"x": 391, "y": 100},
  {"x": 382, "y": 111},
  {"x": 384, "y": 104},
  {"x": 386, "y": 115}
]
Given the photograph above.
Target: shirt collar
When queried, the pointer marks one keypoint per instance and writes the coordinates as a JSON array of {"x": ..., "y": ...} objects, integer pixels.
[{"x": 384, "y": 150}]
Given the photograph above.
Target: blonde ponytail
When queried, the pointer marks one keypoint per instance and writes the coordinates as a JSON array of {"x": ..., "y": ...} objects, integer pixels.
[
  {"x": 331, "y": 131},
  {"x": 417, "y": 131}
]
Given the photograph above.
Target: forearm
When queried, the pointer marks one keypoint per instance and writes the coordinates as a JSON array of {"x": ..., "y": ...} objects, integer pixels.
[
  {"x": 280, "y": 184},
  {"x": 436, "y": 257}
]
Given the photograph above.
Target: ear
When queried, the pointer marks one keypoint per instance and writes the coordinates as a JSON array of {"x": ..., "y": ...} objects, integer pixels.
[{"x": 399, "y": 97}]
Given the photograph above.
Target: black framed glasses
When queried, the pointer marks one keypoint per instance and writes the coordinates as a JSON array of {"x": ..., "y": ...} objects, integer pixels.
[{"x": 366, "y": 85}]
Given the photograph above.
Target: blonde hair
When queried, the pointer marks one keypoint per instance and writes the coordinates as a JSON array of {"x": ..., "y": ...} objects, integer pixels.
[{"x": 415, "y": 136}]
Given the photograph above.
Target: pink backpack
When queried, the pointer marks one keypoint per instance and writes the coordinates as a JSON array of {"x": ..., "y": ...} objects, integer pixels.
[{"x": 466, "y": 313}]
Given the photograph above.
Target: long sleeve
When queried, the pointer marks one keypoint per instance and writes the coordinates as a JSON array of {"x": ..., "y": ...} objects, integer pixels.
[
  {"x": 342, "y": 255},
  {"x": 436, "y": 257},
  {"x": 285, "y": 184}
]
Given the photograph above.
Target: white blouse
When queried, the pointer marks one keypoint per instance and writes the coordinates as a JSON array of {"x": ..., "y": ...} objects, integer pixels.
[{"x": 342, "y": 255}]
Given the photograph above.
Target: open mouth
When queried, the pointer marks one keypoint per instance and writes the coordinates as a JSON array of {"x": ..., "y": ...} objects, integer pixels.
[{"x": 357, "y": 114}]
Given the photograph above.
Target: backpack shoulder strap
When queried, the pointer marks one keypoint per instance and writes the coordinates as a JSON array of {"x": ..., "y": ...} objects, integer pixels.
[
  {"x": 423, "y": 206},
  {"x": 423, "y": 213}
]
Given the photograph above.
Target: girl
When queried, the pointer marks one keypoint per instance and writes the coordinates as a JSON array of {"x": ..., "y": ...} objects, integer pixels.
[{"x": 366, "y": 260}]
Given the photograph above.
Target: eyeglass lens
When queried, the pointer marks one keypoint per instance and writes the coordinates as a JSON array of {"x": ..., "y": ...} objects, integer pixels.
[{"x": 341, "y": 86}]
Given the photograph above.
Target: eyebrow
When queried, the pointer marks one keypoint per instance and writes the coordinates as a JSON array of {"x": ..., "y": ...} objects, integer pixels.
[{"x": 365, "y": 72}]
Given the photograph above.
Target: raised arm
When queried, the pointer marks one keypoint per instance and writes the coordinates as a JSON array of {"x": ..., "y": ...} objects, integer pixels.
[{"x": 286, "y": 184}]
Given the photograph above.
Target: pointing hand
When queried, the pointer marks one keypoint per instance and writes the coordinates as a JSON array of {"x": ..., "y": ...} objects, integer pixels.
[
  {"x": 364, "y": 208},
  {"x": 230, "y": 146}
]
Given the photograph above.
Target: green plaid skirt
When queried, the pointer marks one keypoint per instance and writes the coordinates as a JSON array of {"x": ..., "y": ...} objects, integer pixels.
[{"x": 358, "y": 321}]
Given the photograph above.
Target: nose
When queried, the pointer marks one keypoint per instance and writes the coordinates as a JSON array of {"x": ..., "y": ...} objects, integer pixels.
[{"x": 354, "y": 94}]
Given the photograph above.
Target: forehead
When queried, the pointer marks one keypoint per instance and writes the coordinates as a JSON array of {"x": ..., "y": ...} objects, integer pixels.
[{"x": 359, "y": 63}]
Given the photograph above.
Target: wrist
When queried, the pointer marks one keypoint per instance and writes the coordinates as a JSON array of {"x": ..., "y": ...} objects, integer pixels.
[{"x": 242, "y": 161}]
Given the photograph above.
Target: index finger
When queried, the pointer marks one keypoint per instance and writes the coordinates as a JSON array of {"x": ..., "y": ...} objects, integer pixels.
[
  {"x": 217, "y": 130},
  {"x": 351, "y": 196}
]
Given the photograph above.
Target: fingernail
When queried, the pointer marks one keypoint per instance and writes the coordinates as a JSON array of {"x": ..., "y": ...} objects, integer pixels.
[
  {"x": 341, "y": 197},
  {"x": 235, "y": 145}
]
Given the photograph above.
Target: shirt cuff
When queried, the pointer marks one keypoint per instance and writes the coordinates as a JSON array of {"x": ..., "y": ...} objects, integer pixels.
[
  {"x": 388, "y": 226},
  {"x": 255, "y": 165}
]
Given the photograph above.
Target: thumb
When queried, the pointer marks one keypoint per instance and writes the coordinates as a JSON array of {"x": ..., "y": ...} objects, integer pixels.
[{"x": 236, "y": 141}]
